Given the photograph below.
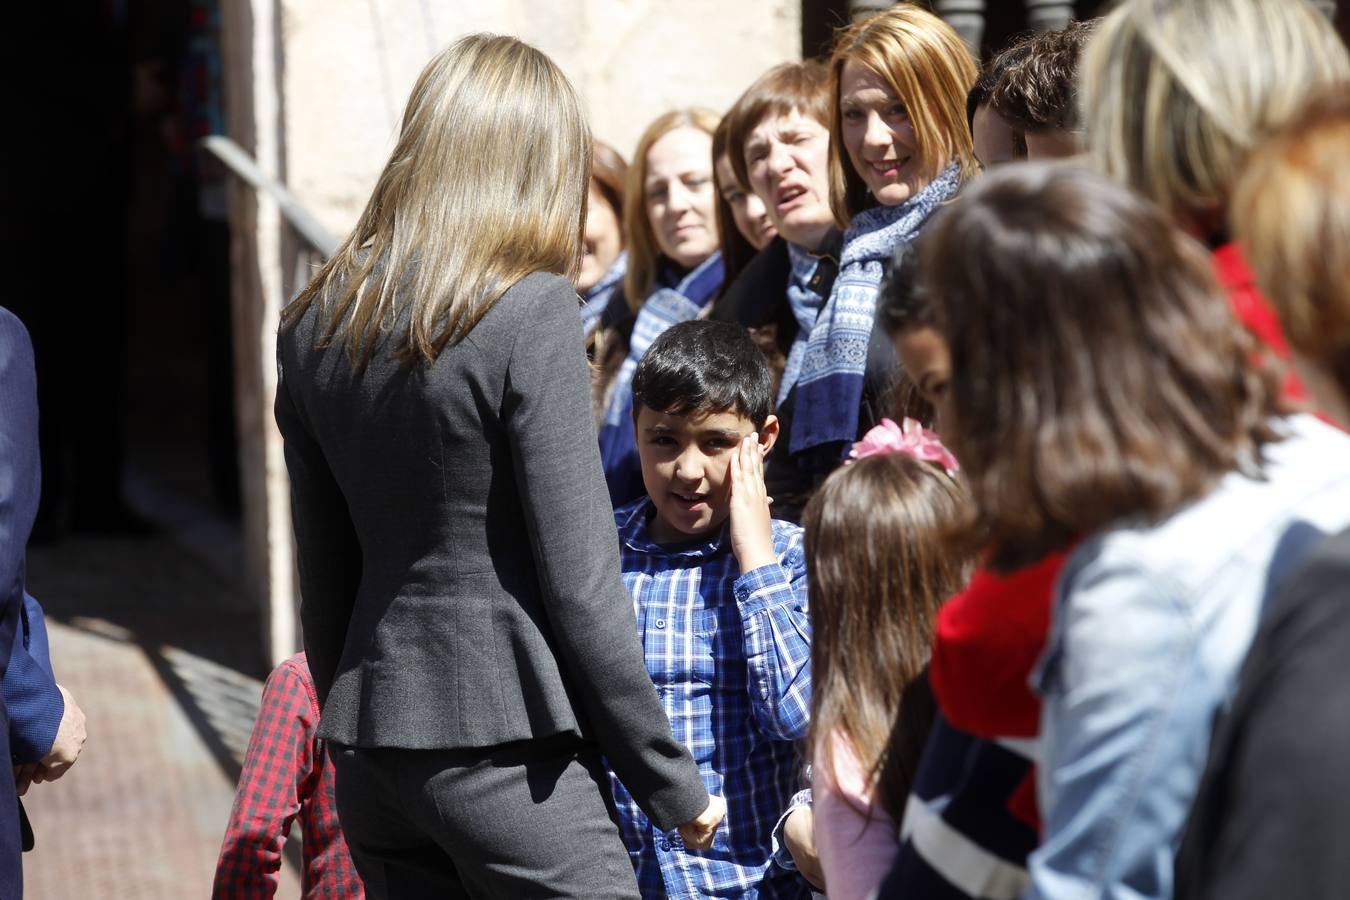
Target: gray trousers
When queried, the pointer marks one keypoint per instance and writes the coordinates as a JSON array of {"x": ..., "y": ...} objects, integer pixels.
[{"x": 528, "y": 819}]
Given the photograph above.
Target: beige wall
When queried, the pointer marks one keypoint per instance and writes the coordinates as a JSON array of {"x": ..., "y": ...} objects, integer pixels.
[{"x": 347, "y": 67}]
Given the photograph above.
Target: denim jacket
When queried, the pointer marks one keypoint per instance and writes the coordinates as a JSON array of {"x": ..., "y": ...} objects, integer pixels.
[{"x": 1150, "y": 627}]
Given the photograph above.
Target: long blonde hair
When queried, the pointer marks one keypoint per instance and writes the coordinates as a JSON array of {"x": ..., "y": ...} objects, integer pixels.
[
  {"x": 639, "y": 238},
  {"x": 486, "y": 184},
  {"x": 1174, "y": 95},
  {"x": 930, "y": 69}
]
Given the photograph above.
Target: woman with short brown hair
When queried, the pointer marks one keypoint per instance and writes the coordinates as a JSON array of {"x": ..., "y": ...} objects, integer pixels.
[
  {"x": 1104, "y": 402},
  {"x": 777, "y": 136}
]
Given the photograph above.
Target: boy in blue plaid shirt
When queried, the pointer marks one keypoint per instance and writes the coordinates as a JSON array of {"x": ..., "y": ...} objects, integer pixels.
[{"x": 719, "y": 589}]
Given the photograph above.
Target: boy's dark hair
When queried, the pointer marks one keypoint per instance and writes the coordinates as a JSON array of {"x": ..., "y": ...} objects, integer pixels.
[
  {"x": 904, "y": 304},
  {"x": 992, "y": 74},
  {"x": 704, "y": 366},
  {"x": 1037, "y": 92}
]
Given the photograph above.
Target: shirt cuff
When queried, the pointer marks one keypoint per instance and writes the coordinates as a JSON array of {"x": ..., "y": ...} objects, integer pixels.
[
  {"x": 762, "y": 588},
  {"x": 780, "y": 852}
]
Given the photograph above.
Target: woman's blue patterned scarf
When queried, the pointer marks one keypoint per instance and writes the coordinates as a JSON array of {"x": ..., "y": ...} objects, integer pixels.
[
  {"x": 673, "y": 302},
  {"x": 830, "y": 382},
  {"x": 596, "y": 299}
]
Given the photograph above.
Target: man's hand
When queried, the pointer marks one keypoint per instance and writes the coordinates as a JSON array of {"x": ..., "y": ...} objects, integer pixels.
[
  {"x": 751, "y": 524},
  {"x": 70, "y": 738},
  {"x": 23, "y": 776},
  {"x": 799, "y": 836},
  {"x": 697, "y": 834}
]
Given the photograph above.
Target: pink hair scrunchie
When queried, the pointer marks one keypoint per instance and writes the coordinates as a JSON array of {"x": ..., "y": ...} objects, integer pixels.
[{"x": 909, "y": 438}]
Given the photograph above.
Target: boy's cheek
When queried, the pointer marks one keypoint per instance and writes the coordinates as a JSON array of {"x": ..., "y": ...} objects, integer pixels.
[{"x": 721, "y": 500}]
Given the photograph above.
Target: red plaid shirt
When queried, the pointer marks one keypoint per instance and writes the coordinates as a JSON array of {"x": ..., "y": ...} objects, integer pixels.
[{"x": 286, "y": 773}]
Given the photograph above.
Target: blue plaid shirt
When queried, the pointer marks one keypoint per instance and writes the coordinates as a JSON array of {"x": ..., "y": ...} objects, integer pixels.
[{"x": 730, "y": 656}]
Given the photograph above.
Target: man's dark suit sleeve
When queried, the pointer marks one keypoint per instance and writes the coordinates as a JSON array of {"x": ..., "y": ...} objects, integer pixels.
[
  {"x": 571, "y": 529},
  {"x": 32, "y": 698},
  {"x": 328, "y": 554},
  {"x": 34, "y": 702}
]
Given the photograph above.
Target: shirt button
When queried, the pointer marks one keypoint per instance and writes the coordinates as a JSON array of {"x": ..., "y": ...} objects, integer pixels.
[
  {"x": 665, "y": 845},
  {"x": 660, "y": 623}
]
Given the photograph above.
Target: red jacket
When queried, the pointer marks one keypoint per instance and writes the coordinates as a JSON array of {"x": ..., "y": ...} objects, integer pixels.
[
  {"x": 988, "y": 640},
  {"x": 1256, "y": 314}
]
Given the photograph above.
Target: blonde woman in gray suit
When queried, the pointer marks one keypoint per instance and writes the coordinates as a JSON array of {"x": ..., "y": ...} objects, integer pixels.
[{"x": 470, "y": 638}]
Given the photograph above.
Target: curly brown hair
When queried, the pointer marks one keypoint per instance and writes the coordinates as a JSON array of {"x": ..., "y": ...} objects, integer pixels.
[{"x": 1037, "y": 91}]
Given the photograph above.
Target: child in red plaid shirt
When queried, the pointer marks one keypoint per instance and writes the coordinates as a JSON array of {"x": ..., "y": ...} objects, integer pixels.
[{"x": 286, "y": 773}]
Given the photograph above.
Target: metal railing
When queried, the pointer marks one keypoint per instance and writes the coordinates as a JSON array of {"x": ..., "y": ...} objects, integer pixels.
[
  {"x": 304, "y": 242},
  {"x": 237, "y": 160}
]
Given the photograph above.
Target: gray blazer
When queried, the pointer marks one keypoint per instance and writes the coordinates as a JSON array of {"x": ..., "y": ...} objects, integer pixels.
[{"x": 458, "y": 560}]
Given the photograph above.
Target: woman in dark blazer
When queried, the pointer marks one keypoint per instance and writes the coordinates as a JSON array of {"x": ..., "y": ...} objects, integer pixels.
[{"x": 471, "y": 641}]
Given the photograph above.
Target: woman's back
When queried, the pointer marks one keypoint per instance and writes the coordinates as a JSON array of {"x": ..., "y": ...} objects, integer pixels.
[
  {"x": 470, "y": 639},
  {"x": 449, "y": 641}
]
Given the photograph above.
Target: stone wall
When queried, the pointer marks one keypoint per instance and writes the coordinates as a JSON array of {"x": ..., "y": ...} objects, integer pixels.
[{"x": 347, "y": 68}]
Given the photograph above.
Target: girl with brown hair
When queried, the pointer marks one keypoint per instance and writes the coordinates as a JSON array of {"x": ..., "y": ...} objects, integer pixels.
[
  {"x": 878, "y": 567},
  {"x": 1104, "y": 402},
  {"x": 972, "y": 819}
]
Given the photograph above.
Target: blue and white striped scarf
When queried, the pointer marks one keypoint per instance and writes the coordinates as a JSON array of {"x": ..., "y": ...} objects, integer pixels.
[
  {"x": 666, "y": 306},
  {"x": 830, "y": 384},
  {"x": 596, "y": 299}
]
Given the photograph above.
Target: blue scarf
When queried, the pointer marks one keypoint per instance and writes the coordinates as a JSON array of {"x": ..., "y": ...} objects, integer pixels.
[
  {"x": 834, "y": 363},
  {"x": 673, "y": 302},
  {"x": 805, "y": 304},
  {"x": 596, "y": 299}
]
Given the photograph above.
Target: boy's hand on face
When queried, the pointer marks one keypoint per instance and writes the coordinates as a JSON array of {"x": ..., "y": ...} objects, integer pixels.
[{"x": 751, "y": 524}]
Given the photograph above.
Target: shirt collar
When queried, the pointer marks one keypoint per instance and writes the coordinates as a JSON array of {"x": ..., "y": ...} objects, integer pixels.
[
  {"x": 803, "y": 263},
  {"x": 635, "y": 534}
]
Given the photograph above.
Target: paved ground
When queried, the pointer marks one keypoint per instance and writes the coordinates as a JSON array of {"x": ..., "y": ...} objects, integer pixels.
[{"x": 154, "y": 639}]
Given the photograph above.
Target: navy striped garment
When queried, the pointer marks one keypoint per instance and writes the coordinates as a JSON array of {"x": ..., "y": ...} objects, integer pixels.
[{"x": 959, "y": 838}]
